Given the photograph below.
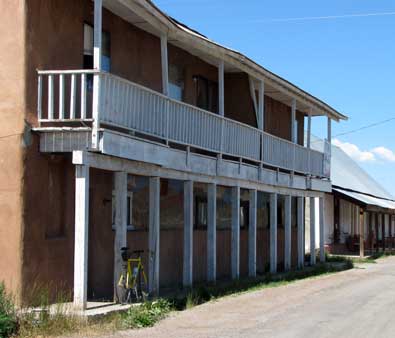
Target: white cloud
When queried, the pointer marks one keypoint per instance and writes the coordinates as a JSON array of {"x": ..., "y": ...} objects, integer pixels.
[
  {"x": 354, "y": 152},
  {"x": 384, "y": 154}
]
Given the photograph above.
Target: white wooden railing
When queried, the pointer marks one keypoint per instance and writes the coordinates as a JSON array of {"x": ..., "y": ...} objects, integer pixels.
[{"x": 66, "y": 96}]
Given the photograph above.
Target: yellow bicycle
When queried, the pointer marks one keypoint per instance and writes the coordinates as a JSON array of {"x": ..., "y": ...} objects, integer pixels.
[{"x": 132, "y": 284}]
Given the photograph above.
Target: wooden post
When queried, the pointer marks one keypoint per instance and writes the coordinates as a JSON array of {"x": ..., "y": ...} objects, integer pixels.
[
  {"x": 121, "y": 210},
  {"x": 329, "y": 137},
  {"x": 312, "y": 231},
  {"x": 154, "y": 235},
  {"x": 300, "y": 220},
  {"x": 361, "y": 233},
  {"x": 376, "y": 225},
  {"x": 288, "y": 232},
  {"x": 273, "y": 232},
  {"x": 261, "y": 107},
  {"x": 221, "y": 88},
  {"x": 97, "y": 53},
  {"x": 309, "y": 129},
  {"x": 165, "y": 64},
  {"x": 235, "y": 244},
  {"x": 293, "y": 121},
  {"x": 252, "y": 234},
  {"x": 81, "y": 236},
  {"x": 212, "y": 232},
  {"x": 383, "y": 230},
  {"x": 322, "y": 229},
  {"x": 188, "y": 234}
]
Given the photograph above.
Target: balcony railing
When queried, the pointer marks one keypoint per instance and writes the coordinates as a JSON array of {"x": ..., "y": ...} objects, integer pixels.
[{"x": 66, "y": 96}]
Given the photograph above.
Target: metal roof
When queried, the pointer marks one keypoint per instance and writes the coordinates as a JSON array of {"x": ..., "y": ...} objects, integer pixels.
[{"x": 350, "y": 179}]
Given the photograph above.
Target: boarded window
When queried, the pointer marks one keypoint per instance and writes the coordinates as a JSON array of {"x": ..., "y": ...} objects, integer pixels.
[{"x": 206, "y": 94}]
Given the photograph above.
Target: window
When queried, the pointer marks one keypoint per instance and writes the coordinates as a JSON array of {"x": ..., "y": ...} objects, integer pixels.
[
  {"x": 88, "y": 52},
  {"x": 200, "y": 212},
  {"x": 129, "y": 216},
  {"x": 244, "y": 214},
  {"x": 176, "y": 83},
  {"x": 206, "y": 94}
]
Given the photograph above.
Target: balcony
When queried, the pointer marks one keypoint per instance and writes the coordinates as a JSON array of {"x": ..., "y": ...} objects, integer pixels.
[{"x": 66, "y": 98}]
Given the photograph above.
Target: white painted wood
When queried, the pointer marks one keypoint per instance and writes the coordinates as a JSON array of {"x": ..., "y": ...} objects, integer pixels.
[
  {"x": 309, "y": 129},
  {"x": 40, "y": 97},
  {"x": 165, "y": 64},
  {"x": 329, "y": 137},
  {"x": 121, "y": 223},
  {"x": 221, "y": 88},
  {"x": 61, "y": 96},
  {"x": 81, "y": 236},
  {"x": 212, "y": 232},
  {"x": 252, "y": 233},
  {"x": 300, "y": 224},
  {"x": 312, "y": 231},
  {"x": 287, "y": 232},
  {"x": 154, "y": 236},
  {"x": 253, "y": 97},
  {"x": 235, "y": 241},
  {"x": 322, "y": 230},
  {"x": 273, "y": 233},
  {"x": 73, "y": 93},
  {"x": 261, "y": 114},
  {"x": 293, "y": 121},
  {"x": 188, "y": 234},
  {"x": 50, "y": 97},
  {"x": 83, "y": 96}
]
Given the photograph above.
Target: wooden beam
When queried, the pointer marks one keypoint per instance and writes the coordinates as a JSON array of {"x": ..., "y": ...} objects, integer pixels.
[
  {"x": 301, "y": 225},
  {"x": 235, "y": 241},
  {"x": 212, "y": 232},
  {"x": 188, "y": 234},
  {"x": 329, "y": 137},
  {"x": 252, "y": 233},
  {"x": 221, "y": 88},
  {"x": 81, "y": 236},
  {"x": 312, "y": 230},
  {"x": 322, "y": 229},
  {"x": 154, "y": 235},
  {"x": 261, "y": 112},
  {"x": 293, "y": 121},
  {"x": 165, "y": 64},
  {"x": 273, "y": 233},
  {"x": 309, "y": 128},
  {"x": 287, "y": 232}
]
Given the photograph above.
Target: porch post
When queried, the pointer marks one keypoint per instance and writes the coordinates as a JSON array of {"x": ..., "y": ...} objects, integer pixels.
[
  {"x": 252, "y": 234},
  {"x": 97, "y": 52},
  {"x": 300, "y": 220},
  {"x": 165, "y": 64},
  {"x": 376, "y": 226},
  {"x": 382, "y": 216},
  {"x": 81, "y": 236},
  {"x": 361, "y": 233},
  {"x": 322, "y": 229},
  {"x": 261, "y": 106},
  {"x": 273, "y": 232},
  {"x": 121, "y": 210},
  {"x": 288, "y": 234},
  {"x": 309, "y": 129},
  {"x": 312, "y": 231},
  {"x": 212, "y": 232},
  {"x": 221, "y": 88},
  {"x": 235, "y": 244},
  {"x": 329, "y": 137},
  {"x": 154, "y": 235},
  {"x": 293, "y": 121},
  {"x": 188, "y": 234}
]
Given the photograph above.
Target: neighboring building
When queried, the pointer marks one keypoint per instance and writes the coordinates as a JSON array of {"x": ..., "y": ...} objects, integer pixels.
[
  {"x": 357, "y": 203},
  {"x": 138, "y": 130}
]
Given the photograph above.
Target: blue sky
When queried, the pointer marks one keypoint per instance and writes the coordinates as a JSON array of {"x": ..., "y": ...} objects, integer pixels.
[{"x": 341, "y": 51}]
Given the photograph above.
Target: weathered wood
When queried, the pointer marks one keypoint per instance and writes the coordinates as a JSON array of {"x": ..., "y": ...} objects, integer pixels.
[
  {"x": 83, "y": 96},
  {"x": 329, "y": 136},
  {"x": 212, "y": 232},
  {"x": 261, "y": 105},
  {"x": 81, "y": 236},
  {"x": 313, "y": 225},
  {"x": 309, "y": 129},
  {"x": 235, "y": 241},
  {"x": 188, "y": 234},
  {"x": 252, "y": 233},
  {"x": 362, "y": 234},
  {"x": 300, "y": 224},
  {"x": 221, "y": 88},
  {"x": 61, "y": 96},
  {"x": 273, "y": 232},
  {"x": 154, "y": 236},
  {"x": 293, "y": 121},
  {"x": 73, "y": 93},
  {"x": 121, "y": 223},
  {"x": 39, "y": 97},
  {"x": 165, "y": 64},
  {"x": 50, "y": 97},
  {"x": 287, "y": 232},
  {"x": 322, "y": 229}
]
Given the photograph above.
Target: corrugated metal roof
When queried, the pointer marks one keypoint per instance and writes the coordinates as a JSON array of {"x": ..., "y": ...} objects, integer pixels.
[{"x": 350, "y": 179}]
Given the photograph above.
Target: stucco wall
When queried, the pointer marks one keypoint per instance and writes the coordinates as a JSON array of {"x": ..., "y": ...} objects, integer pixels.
[{"x": 12, "y": 141}]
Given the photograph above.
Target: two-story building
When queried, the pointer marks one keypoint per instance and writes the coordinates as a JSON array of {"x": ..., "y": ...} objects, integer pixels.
[{"x": 121, "y": 126}]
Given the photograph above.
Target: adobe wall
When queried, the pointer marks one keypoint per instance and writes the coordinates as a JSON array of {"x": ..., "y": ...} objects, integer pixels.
[{"x": 12, "y": 139}]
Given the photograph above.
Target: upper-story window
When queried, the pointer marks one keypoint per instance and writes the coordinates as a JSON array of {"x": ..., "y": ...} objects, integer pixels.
[
  {"x": 206, "y": 94},
  {"x": 88, "y": 49},
  {"x": 176, "y": 82}
]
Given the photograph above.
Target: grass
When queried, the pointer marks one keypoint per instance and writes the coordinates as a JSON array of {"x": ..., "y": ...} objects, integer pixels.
[
  {"x": 358, "y": 260},
  {"x": 55, "y": 321}
]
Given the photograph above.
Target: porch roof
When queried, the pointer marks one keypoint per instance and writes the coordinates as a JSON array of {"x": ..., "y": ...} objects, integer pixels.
[{"x": 157, "y": 22}]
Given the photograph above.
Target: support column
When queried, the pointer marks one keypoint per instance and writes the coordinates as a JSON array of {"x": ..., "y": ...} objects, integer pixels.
[
  {"x": 329, "y": 136},
  {"x": 212, "y": 232},
  {"x": 235, "y": 247},
  {"x": 154, "y": 235},
  {"x": 188, "y": 234},
  {"x": 81, "y": 236},
  {"x": 383, "y": 230},
  {"x": 273, "y": 232},
  {"x": 309, "y": 129},
  {"x": 361, "y": 233},
  {"x": 293, "y": 121},
  {"x": 121, "y": 210},
  {"x": 252, "y": 234},
  {"x": 261, "y": 107},
  {"x": 288, "y": 234},
  {"x": 221, "y": 88},
  {"x": 165, "y": 64},
  {"x": 322, "y": 230},
  {"x": 97, "y": 64},
  {"x": 300, "y": 220},
  {"x": 376, "y": 226},
  {"x": 312, "y": 231}
]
